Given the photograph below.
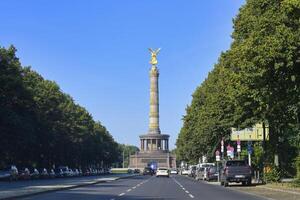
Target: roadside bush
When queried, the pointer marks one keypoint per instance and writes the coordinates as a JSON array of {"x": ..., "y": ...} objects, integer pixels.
[
  {"x": 273, "y": 174},
  {"x": 297, "y": 162}
]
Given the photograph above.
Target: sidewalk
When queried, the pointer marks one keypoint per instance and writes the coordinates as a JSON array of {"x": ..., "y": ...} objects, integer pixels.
[{"x": 27, "y": 188}]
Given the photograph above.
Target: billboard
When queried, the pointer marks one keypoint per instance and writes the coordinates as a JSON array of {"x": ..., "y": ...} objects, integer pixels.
[{"x": 249, "y": 134}]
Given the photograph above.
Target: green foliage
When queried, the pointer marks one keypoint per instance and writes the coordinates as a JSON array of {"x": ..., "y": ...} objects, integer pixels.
[
  {"x": 42, "y": 126},
  {"x": 126, "y": 150},
  {"x": 273, "y": 174},
  {"x": 256, "y": 80},
  {"x": 297, "y": 163}
]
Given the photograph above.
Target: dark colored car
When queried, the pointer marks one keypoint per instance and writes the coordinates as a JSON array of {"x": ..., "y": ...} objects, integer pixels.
[
  {"x": 59, "y": 173},
  {"x": 34, "y": 173},
  {"x": 148, "y": 171},
  {"x": 236, "y": 171},
  {"x": 52, "y": 173},
  {"x": 44, "y": 173},
  {"x": 10, "y": 173},
  {"x": 212, "y": 173},
  {"x": 24, "y": 174}
]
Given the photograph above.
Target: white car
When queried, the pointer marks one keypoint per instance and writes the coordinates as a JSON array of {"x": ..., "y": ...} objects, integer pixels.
[
  {"x": 173, "y": 171},
  {"x": 185, "y": 172},
  {"x": 162, "y": 172}
]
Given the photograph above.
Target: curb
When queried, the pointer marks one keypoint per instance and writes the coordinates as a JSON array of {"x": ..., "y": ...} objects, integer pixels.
[{"x": 64, "y": 188}]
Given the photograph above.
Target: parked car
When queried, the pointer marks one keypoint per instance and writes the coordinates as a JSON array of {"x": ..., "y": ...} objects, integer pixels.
[
  {"x": 76, "y": 172},
  {"x": 65, "y": 171},
  {"x": 162, "y": 172},
  {"x": 86, "y": 172},
  {"x": 236, "y": 171},
  {"x": 137, "y": 171},
  {"x": 200, "y": 173},
  {"x": 24, "y": 174},
  {"x": 59, "y": 173},
  {"x": 70, "y": 173},
  {"x": 34, "y": 174},
  {"x": 9, "y": 173},
  {"x": 184, "y": 171},
  {"x": 212, "y": 173},
  {"x": 44, "y": 173},
  {"x": 192, "y": 171},
  {"x": 52, "y": 173},
  {"x": 80, "y": 172}
]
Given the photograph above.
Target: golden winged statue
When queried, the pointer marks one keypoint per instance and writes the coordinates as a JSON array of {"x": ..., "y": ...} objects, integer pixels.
[{"x": 154, "y": 53}]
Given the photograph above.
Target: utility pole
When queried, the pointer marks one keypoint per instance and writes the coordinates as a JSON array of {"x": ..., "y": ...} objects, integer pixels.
[{"x": 264, "y": 150}]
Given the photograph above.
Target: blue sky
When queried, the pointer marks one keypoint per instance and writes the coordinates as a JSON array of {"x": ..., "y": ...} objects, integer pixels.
[{"x": 97, "y": 52}]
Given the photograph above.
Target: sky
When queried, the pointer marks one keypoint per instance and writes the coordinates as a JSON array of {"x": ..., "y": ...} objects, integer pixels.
[{"x": 97, "y": 51}]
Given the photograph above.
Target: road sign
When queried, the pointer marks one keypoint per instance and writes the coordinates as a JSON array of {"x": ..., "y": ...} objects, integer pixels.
[
  {"x": 230, "y": 151},
  {"x": 249, "y": 147},
  {"x": 254, "y": 133}
]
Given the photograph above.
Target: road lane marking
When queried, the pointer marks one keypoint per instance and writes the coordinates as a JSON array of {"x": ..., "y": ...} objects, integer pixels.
[
  {"x": 129, "y": 190},
  {"x": 134, "y": 187},
  {"x": 121, "y": 194},
  {"x": 186, "y": 191}
]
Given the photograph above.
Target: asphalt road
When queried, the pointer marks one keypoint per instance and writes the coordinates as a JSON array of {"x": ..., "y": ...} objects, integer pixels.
[{"x": 147, "y": 187}]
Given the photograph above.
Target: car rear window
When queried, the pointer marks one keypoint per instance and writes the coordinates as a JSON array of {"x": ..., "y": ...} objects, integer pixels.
[{"x": 236, "y": 163}]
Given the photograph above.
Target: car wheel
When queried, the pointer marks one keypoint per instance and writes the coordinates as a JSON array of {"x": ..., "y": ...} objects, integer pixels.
[
  {"x": 243, "y": 182},
  {"x": 249, "y": 182},
  {"x": 222, "y": 183}
]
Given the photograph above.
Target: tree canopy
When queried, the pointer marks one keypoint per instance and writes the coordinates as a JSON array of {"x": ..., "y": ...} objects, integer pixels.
[
  {"x": 256, "y": 80},
  {"x": 42, "y": 126}
]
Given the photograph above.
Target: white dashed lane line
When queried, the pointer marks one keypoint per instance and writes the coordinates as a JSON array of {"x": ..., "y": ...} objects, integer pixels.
[
  {"x": 121, "y": 194},
  {"x": 186, "y": 191},
  {"x": 130, "y": 189}
]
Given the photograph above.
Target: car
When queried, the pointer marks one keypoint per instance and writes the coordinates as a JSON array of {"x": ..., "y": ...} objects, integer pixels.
[
  {"x": 44, "y": 173},
  {"x": 184, "y": 171},
  {"x": 76, "y": 172},
  {"x": 200, "y": 173},
  {"x": 9, "y": 173},
  {"x": 212, "y": 173},
  {"x": 192, "y": 171},
  {"x": 173, "y": 171},
  {"x": 24, "y": 174},
  {"x": 52, "y": 173},
  {"x": 34, "y": 174},
  {"x": 65, "y": 171},
  {"x": 162, "y": 172},
  {"x": 136, "y": 171},
  {"x": 59, "y": 173},
  {"x": 148, "y": 171},
  {"x": 70, "y": 173},
  {"x": 80, "y": 172},
  {"x": 236, "y": 171}
]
